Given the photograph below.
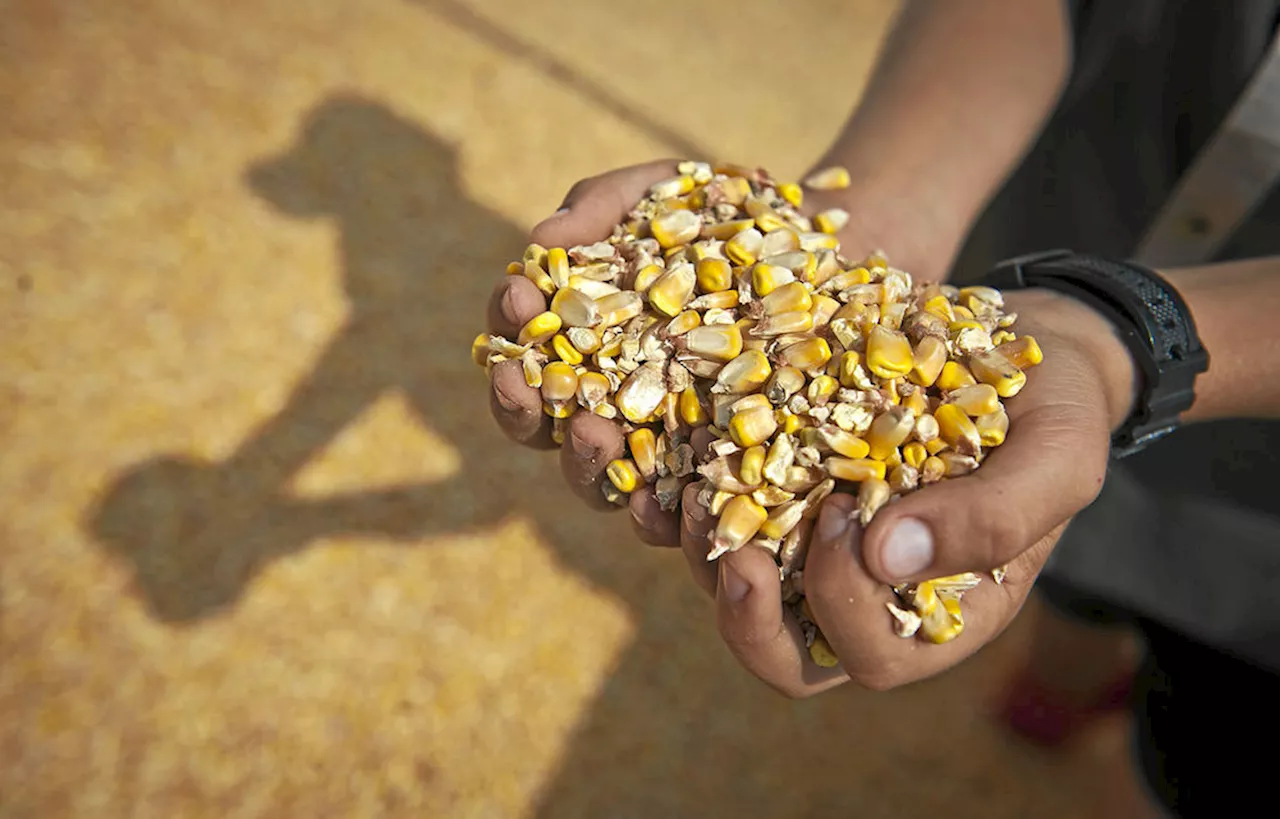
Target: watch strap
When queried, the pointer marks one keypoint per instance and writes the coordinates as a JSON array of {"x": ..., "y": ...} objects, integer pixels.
[{"x": 1151, "y": 318}]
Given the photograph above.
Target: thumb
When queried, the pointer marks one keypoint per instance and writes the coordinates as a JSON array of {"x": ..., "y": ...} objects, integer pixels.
[
  {"x": 593, "y": 206},
  {"x": 1051, "y": 469}
]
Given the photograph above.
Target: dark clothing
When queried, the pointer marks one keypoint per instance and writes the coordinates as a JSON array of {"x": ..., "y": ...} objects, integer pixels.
[{"x": 1188, "y": 532}]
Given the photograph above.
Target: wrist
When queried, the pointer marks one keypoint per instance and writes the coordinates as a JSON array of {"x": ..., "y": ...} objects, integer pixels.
[
  {"x": 919, "y": 233},
  {"x": 1059, "y": 321}
]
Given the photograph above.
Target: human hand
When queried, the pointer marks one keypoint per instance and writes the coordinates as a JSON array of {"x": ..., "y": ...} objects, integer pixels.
[{"x": 1010, "y": 511}]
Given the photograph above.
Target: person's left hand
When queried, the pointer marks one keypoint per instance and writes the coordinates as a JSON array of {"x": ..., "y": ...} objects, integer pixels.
[{"x": 1012, "y": 510}]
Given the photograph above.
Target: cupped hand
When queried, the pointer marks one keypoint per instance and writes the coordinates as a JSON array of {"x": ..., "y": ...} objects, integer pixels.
[{"x": 1010, "y": 512}]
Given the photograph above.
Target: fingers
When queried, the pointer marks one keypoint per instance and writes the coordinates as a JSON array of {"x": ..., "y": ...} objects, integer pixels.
[
  {"x": 517, "y": 407},
  {"x": 1051, "y": 466},
  {"x": 513, "y": 302},
  {"x": 590, "y": 443},
  {"x": 697, "y": 524},
  {"x": 764, "y": 638},
  {"x": 653, "y": 524},
  {"x": 849, "y": 606},
  {"x": 593, "y": 206}
]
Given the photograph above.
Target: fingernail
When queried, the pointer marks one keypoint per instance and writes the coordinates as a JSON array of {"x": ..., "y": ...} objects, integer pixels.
[
  {"x": 582, "y": 449},
  {"x": 908, "y": 549},
  {"x": 508, "y": 403},
  {"x": 509, "y": 311},
  {"x": 734, "y": 586},
  {"x": 833, "y": 522},
  {"x": 561, "y": 212}
]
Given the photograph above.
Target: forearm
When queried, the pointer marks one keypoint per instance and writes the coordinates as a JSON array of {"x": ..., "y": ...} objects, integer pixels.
[
  {"x": 958, "y": 95},
  {"x": 1235, "y": 306}
]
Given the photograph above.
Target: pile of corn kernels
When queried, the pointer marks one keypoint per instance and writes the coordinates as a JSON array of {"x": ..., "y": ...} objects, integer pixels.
[{"x": 718, "y": 304}]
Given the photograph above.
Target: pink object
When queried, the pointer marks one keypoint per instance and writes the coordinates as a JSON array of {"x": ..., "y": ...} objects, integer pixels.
[{"x": 1032, "y": 710}]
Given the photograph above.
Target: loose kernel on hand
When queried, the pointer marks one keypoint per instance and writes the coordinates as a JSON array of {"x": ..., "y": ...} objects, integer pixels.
[{"x": 717, "y": 304}]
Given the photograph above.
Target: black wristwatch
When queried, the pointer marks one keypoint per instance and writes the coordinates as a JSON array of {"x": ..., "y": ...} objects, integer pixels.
[{"x": 1152, "y": 319}]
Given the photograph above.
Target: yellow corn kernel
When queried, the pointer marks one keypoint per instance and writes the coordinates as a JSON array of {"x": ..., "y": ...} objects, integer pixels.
[
  {"x": 480, "y": 350},
  {"x": 738, "y": 404},
  {"x": 725, "y": 231},
  {"x": 540, "y": 328},
  {"x": 782, "y": 519},
  {"x": 916, "y": 402},
  {"x": 768, "y": 221},
  {"x": 932, "y": 470},
  {"x": 624, "y": 475},
  {"x": 993, "y": 368},
  {"x": 831, "y": 220},
  {"x": 992, "y": 427},
  {"x": 719, "y": 500},
  {"x": 673, "y": 187},
  {"x": 824, "y": 307},
  {"x": 646, "y": 276},
  {"x": 558, "y": 266},
  {"x": 593, "y": 389},
  {"x": 846, "y": 443},
  {"x": 962, "y": 312},
  {"x": 815, "y": 241},
  {"x": 515, "y": 268},
  {"x": 617, "y": 308},
  {"x": 752, "y": 464},
  {"x": 953, "y": 376},
  {"x": 889, "y": 353},
  {"x": 752, "y": 426},
  {"x": 673, "y": 291},
  {"x": 894, "y": 458},
  {"x": 715, "y": 342},
  {"x": 765, "y": 278},
  {"x": 641, "y": 395},
  {"x": 575, "y": 308},
  {"x": 941, "y": 619},
  {"x": 778, "y": 242},
  {"x": 956, "y": 463},
  {"x": 565, "y": 350},
  {"x": 975, "y": 400},
  {"x": 1024, "y": 352},
  {"x": 1002, "y": 337},
  {"x": 914, "y": 454},
  {"x": 810, "y": 354},
  {"x": 821, "y": 389},
  {"x": 789, "y": 298},
  {"x": 855, "y": 469},
  {"x": 957, "y": 429},
  {"x": 936, "y": 445},
  {"x": 744, "y": 374},
  {"x": 683, "y": 323},
  {"x": 714, "y": 275},
  {"x": 723, "y": 300},
  {"x": 848, "y": 372},
  {"x": 888, "y": 431},
  {"x": 675, "y": 228},
  {"x": 739, "y": 521},
  {"x": 642, "y": 445},
  {"x": 822, "y": 654},
  {"x": 559, "y": 409},
  {"x": 744, "y": 247},
  {"x": 534, "y": 273},
  {"x": 535, "y": 253},
  {"x": 940, "y": 306},
  {"x": 831, "y": 178},
  {"x": 783, "y": 324},
  {"x": 691, "y": 410},
  {"x": 930, "y": 360},
  {"x": 784, "y": 383},
  {"x": 789, "y": 422},
  {"x": 792, "y": 194},
  {"x": 559, "y": 382}
]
